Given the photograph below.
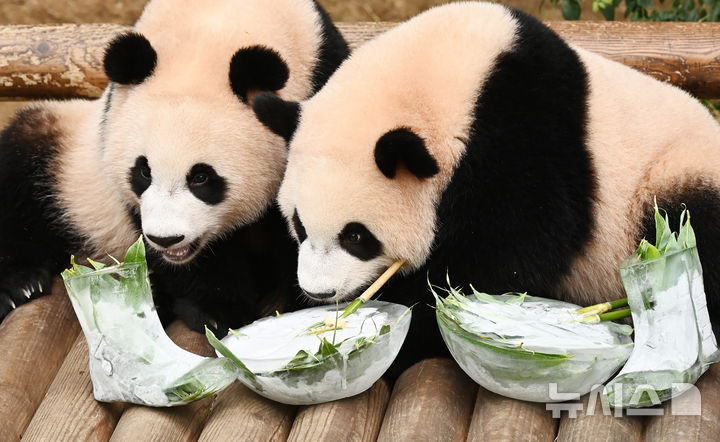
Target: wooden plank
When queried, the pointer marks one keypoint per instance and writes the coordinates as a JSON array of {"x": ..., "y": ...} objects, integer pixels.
[
  {"x": 34, "y": 339},
  {"x": 497, "y": 418},
  {"x": 432, "y": 400},
  {"x": 169, "y": 424},
  {"x": 241, "y": 414},
  {"x": 69, "y": 411},
  {"x": 66, "y": 60},
  {"x": 601, "y": 425},
  {"x": 675, "y": 427},
  {"x": 353, "y": 419}
]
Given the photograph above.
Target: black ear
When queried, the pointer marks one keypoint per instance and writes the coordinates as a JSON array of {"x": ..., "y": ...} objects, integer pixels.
[
  {"x": 257, "y": 68},
  {"x": 129, "y": 59},
  {"x": 404, "y": 146},
  {"x": 278, "y": 115}
]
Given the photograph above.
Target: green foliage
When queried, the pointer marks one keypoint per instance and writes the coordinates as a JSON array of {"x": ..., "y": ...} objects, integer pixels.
[{"x": 647, "y": 10}]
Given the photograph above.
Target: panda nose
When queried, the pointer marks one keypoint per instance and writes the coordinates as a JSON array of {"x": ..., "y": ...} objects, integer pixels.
[
  {"x": 320, "y": 296},
  {"x": 167, "y": 241}
]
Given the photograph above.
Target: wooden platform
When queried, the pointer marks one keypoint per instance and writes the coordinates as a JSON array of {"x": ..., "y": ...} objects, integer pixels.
[{"x": 46, "y": 395}]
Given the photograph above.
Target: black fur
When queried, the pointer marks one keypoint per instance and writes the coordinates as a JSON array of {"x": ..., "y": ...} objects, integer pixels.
[
  {"x": 403, "y": 146},
  {"x": 140, "y": 176},
  {"x": 333, "y": 50},
  {"x": 280, "y": 116},
  {"x": 703, "y": 203},
  {"x": 518, "y": 207},
  {"x": 129, "y": 59},
  {"x": 33, "y": 249},
  {"x": 299, "y": 228},
  {"x": 357, "y": 240},
  {"x": 206, "y": 184},
  {"x": 233, "y": 281},
  {"x": 257, "y": 68}
]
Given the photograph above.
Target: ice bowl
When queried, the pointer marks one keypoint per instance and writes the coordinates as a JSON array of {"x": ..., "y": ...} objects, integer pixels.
[
  {"x": 285, "y": 359},
  {"x": 530, "y": 348}
]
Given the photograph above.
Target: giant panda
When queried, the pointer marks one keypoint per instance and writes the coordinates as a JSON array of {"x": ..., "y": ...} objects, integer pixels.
[
  {"x": 472, "y": 141},
  {"x": 173, "y": 150}
]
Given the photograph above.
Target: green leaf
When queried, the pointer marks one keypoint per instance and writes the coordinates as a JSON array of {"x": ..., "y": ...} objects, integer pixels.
[
  {"x": 571, "y": 9},
  {"x": 385, "y": 329},
  {"x": 95, "y": 264},
  {"x": 136, "y": 252},
  {"x": 224, "y": 351},
  {"x": 326, "y": 349}
]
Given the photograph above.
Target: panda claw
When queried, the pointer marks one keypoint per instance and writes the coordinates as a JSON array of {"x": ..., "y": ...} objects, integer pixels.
[{"x": 27, "y": 293}]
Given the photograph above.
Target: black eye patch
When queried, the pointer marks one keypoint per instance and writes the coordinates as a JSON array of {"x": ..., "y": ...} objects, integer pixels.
[
  {"x": 206, "y": 184},
  {"x": 357, "y": 240},
  {"x": 140, "y": 176},
  {"x": 299, "y": 228}
]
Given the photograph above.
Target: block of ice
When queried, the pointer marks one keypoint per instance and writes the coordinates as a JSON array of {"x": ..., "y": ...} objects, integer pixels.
[
  {"x": 131, "y": 357},
  {"x": 674, "y": 341}
]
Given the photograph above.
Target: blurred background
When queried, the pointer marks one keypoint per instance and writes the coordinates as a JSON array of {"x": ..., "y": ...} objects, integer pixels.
[{"x": 127, "y": 11}]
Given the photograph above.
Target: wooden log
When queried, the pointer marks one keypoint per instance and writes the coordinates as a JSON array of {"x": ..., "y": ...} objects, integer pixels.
[
  {"x": 241, "y": 414},
  {"x": 34, "y": 339},
  {"x": 432, "y": 400},
  {"x": 599, "y": 424},
  {"x": 697, "y": 427},
  {"x": 69, "y": 411},
  {"x": 169, "y": 424},
  {"x": 66, "y": 60},
  {"x": 58, "y": 61},
  {"x": 497, "y": 418},
  {"x": 353, "y": 419}
]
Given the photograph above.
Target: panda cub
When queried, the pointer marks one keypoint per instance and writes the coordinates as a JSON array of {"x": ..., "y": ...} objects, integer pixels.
[
  {"x": 172, "y": 150},
  {"x": 473, "y": 141}
]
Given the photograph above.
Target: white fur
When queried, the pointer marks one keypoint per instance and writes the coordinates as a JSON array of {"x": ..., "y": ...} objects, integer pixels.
[{"x": 326, "y": 267}]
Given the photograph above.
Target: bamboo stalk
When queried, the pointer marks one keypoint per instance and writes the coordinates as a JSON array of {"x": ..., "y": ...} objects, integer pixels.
[
  {"x": 601, "y": 308},
  {"x": 374, "y": 287}
]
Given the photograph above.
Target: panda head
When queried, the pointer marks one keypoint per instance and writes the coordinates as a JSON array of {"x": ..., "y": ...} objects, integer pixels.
[
  {"x": 353, "y": 209},
  {"x": 180, "y": 141},
  {"x": 373, "y": 151}
]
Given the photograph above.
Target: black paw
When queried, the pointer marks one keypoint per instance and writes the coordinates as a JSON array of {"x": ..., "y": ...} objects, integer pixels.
[{"x": 20, "y": 286}]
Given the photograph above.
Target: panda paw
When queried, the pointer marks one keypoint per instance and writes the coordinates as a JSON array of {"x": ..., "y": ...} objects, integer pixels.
[{"x": 20, "y": 286}]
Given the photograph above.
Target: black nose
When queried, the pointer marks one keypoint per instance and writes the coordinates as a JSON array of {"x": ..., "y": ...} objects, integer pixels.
[
  {"x": 167, "y": 241},
  {"x": 320, "y": 296}
]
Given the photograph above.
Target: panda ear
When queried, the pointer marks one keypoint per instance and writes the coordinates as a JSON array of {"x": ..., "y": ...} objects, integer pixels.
[
  {"x": 404, "y": 146},
  {"x": 129, "y": 59},
  {"x": 257, "y": 68},
  {"x": 280, "y": 116}
]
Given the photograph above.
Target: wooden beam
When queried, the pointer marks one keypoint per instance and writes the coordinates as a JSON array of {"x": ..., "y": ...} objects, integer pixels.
[
  {"x": 35, "y": 338},
  {"x": 356, "y": 418},
  {"x": 500, "y": 418},
  {"x": 69, "y": 411},
  {"x": 432, "y": 400},
  {"x": 64, "y": 61}
]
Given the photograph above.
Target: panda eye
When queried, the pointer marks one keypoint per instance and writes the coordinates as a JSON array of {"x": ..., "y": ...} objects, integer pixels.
[
  {"x": 199, "y": 179},
  {"x": 358, "y": 241},
  {"x": 146, "y": 173}
]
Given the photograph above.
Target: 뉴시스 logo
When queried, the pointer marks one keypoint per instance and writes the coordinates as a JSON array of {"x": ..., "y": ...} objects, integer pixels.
[{"x": 689, "y": 403}]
